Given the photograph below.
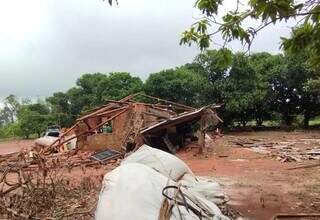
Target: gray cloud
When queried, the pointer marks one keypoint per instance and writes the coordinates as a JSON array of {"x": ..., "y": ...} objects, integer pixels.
[{"x": 47, "y": 45}]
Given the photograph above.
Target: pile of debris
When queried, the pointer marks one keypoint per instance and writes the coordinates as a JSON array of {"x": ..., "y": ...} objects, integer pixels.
[
  {"x": 52, "y": 180},
  {"x": 127, "y": 124},
  {"x": 284, "y": 151},
  {"x": 38, "y": 186}
]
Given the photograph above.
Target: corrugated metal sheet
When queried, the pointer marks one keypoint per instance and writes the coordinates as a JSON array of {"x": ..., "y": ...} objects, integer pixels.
[{"x": 175, "y": 120}]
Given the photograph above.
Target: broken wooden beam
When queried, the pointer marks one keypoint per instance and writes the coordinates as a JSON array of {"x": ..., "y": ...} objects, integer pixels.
[
  {"x": 94, "y": 128},
  {"x": 156, "y": 115},
  {"x": 166, "y": 101}
]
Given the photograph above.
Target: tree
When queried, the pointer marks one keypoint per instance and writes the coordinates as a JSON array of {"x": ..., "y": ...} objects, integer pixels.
[
  {"x": 5, "y": 116},
  {"x": 300, "y": 75},
  {"x": 60, "y": 109},
  {"x": 233, "y": 24},
  {"x": 118, "y": 85},
  {"x": 178, "y": 85},
  {"x": 85, "y": 94},
  {"x": 245, "y": 96},
  {"x": 211, "y": 65},
  {"x": 244, "y": 90},
  {"x": 305, "y": 39},
  {"x": 91, "y": 90},
  {"x": 11, "y": 106},
  {"x": 10, "y": 130},
  {"x": 33, "y": 119},
  {"x": 284, "y": 81},
  {"x": 262, "y": 64}
]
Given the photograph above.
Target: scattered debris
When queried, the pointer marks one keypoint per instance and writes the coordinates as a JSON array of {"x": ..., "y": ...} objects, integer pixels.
[
  {"x": 44, "y": 186},
  {"x": 39, "y": 184},
  {"x": 282, "y": 151},
  {"x": 313, "y": 152},
  {"x": 106, "y": 155}
]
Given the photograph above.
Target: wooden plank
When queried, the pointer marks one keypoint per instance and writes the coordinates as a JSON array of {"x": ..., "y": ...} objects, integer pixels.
[
  {"x": 165, "y": 110},
  {"x": 111, "y": 105},
  {"x": 173, "y": 103},
  {"x": 111, "y": 111},
  {"x": 156, "y": 115}
]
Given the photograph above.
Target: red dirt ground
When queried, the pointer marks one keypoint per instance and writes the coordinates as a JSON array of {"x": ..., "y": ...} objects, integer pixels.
[
  {"x": 7, "y": 147},
  {"x": 260, "y": 186}
]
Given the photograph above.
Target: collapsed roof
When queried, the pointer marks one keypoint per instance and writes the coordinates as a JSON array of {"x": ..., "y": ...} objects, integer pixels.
[{"x": 127, "y": 124}]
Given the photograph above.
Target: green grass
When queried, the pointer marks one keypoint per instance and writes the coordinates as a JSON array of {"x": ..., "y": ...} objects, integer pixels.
[
  {"x": 273, "y": 123},
  {"x": 315, "y": 121},
  {"x": 10, "y": 139},
  {"x": 270, "y": 123},
  {"x": 252, "y": 123}
]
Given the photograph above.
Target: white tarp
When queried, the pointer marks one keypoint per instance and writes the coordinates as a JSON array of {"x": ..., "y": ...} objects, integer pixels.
[
  {"x": 163, "y": 162},
  {"x": 204, "y": 187},
  {"x": 166, "y": 164},
  {"x": 131, "y": 191},
  {"x": 134, "y": 191}
]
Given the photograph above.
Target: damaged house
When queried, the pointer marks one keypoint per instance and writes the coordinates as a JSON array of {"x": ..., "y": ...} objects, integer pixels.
[{"x": 127, "y": 124}]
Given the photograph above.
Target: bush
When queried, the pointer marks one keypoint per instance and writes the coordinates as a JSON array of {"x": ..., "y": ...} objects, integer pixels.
[{"x": 10, "y": 130}]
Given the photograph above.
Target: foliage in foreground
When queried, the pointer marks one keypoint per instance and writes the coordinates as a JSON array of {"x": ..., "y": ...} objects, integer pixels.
[{"x": 246, "y": 19}]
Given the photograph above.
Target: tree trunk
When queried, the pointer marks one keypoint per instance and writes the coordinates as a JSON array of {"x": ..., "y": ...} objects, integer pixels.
[
  {"x": 306, "y": 120},
  {"x": 288, "y": 119},
  {"x": 259, "y": 122},
  {"x": 12, "y": 118}
]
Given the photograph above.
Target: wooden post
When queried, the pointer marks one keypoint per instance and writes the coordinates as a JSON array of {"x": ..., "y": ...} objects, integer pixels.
[{"x": 202, "y": 134}]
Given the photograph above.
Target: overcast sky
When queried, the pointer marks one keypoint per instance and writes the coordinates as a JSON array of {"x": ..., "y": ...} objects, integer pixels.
[{"x": 47, "y": 44}]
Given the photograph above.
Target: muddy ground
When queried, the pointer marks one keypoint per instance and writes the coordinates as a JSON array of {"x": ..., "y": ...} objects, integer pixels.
[{"x": 258, "y": 185}]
